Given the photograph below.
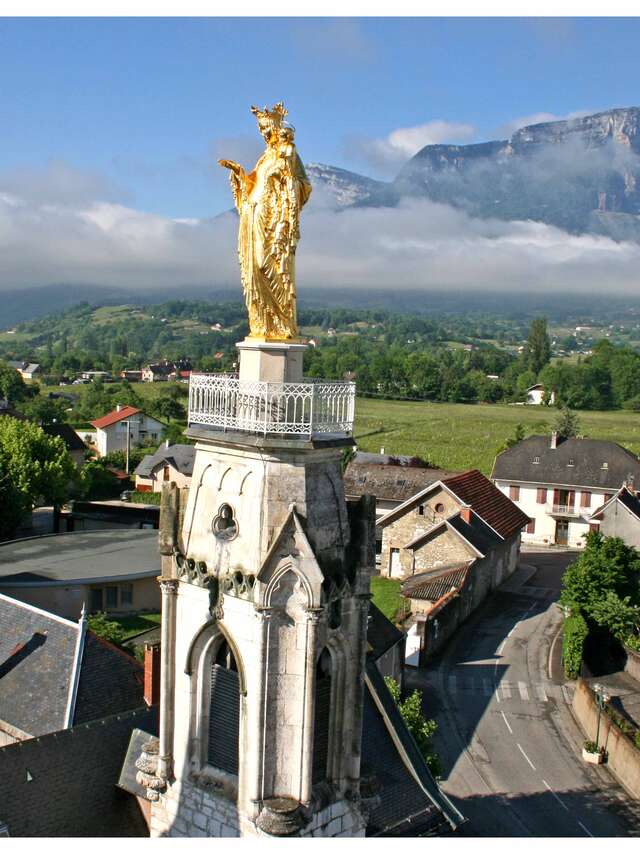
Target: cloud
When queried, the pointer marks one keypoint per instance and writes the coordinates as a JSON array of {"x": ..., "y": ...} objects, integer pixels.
[
  {"x": 510, "y": 127},
  {"x": 419, "y": 244},
  {"x": 59, "y": 183},
  {"x": 387, "y": 154}
]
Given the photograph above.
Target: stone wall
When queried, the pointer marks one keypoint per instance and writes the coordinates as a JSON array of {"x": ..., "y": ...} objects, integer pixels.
[
  {"x": 623, "y": 758},
  {"x": 186, "y": 810}
]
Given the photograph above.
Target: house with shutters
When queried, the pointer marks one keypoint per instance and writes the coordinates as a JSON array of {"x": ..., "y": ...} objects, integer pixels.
[
  {"x": 170, "y": 463},
  {"x": 560, "y": 483},
  {"x": 125, "y": 426}
]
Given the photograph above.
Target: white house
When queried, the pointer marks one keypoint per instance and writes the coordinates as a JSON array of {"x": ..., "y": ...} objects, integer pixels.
[
  {"x": 559, "y": 483},
  {"x": 170, "y": 463},
  {"x": 111, "y": 429},
  {"x": 535, "y": 395}
]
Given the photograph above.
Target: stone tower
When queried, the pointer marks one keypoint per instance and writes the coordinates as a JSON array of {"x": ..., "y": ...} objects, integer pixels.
[{"x": 265, "y": 593}]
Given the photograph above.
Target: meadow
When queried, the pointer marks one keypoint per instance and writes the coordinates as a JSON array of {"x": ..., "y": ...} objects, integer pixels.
[{"x": 458, "y": 436}]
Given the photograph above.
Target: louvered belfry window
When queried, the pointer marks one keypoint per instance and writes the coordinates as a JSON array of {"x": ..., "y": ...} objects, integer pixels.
[
  {"x": 322, "y": 718},
  {"x": 224, "y": 711}
]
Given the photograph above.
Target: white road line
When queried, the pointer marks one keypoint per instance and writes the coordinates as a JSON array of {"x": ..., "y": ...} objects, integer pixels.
[
  {"x": 497, "y": 695},
  {"x": 504, "y": 717},
  {"x": 487, "y": 690},
  {"x": 558, "y": 799},
  {"x": 506, "y": 690},
  {"x": 585, "y": 829},
  {"x": 524, "y": 693},
  {"x": 525, "y": 756},
  {"x": 513, "y": 629},
  {"x": 542, "y": 696}
]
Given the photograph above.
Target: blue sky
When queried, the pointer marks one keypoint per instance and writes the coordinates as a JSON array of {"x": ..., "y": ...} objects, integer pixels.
[{"x": 141, "y": 107}]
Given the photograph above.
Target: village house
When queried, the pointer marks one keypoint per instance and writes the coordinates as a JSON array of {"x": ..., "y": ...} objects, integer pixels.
[
  {"x": 131, "y": 376},
  {"x": 112, "y": 429},
  {"x": 170, "y": 463},
  {"x": 536, "y": 395},
  {"x": 27, "y": 370},
  {"x": 110, "y": 570},
  {"x": 72, "y": 441},
  {"x": 452, "y": 543},
  {"x": 56, "y": 674},
  {"x": 559, "y": 483},
  {"x": 158, "y": 372},
  {"x": 620, "y": 516}
]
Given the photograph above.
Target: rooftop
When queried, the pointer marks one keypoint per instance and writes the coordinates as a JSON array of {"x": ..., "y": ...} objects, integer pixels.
[
  {"x": 115, "y": 416},
  {"x": 388, "y": 482},
  {"x": 181, "y": 457},
  {"x": 83, "y": 556}
]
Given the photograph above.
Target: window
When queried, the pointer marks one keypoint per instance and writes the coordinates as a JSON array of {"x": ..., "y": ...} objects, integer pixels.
[
  {"x": 167, "y": 473},
  {"x": 224, "y": 525},
  {"x": 541, "y": 495},
  {"x": 439, "y": 508},
  {"x": 224, "y": 711},
  {"x": 96, "y": 599},
  {"x": 112, "y": 597},
  {"x": 570, "y": 463},
  {"x": 126, "y": 594},
  {"x": 531, "y": 527},
  {"x": 585, "y": 499},
  {"x": 593, "y": 527},
  {"x": 536, "y": 461},
  {"x": 421, "y": 510},
  {"x": 605, "y": 465},
  {"x": 321, "y": 718},
  {"x": 514, "y": 493}
]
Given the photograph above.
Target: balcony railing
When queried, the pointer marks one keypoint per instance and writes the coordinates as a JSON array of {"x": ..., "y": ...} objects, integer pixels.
[
  {"x": 568, "y": 510},
  {"x": 307, "y": 408}
]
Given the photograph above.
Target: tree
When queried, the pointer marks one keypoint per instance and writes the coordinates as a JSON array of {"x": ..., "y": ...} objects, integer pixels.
[
  {"x": 105, "y": 628},
  {"x": 12, "y": 387},
  {"x": 538, "y": 349},
  {"x": 44, "y": 410},
  {"x": 420, "y": 728},
  {"x": 618, "y": 615},
  {"x": 567, "y": 423},
  {"x": 11, "y": 504},
  {"x": 169, "y": 408},
  {"x": 38, "y": 466}
]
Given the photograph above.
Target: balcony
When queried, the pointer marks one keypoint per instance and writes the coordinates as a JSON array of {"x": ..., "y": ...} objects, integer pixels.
[
  {"x": 568, "y": 510},
  {"x": 305, "y": 409}
]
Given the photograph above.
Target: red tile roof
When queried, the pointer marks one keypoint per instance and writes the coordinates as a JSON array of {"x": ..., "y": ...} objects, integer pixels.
[
  {"x": 114, "y": 417},
  {"x": 488, "y": 502}
]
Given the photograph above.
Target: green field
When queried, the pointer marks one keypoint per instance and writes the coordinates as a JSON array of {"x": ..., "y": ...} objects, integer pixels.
[{"x": 459, "y": 436}]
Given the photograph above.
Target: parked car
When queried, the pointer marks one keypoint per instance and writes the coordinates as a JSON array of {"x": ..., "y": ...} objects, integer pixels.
[{"x": 126, "y": 495}]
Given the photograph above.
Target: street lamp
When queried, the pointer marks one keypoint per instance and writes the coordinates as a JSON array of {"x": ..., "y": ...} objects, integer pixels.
[{"x": 602, "y": 698}]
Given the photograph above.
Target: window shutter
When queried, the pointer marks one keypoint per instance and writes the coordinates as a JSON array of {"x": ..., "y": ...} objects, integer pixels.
[
  {"x": 585, "y": 499},
  {"x": 571, "y": 499},
  {"x": 321, "y": 718},
  {"x": 556, "y": 497},
  {"x": 542, "y": 495},
  {"x": 531, "y": 527},
  {"x": 224, "y": 719}
]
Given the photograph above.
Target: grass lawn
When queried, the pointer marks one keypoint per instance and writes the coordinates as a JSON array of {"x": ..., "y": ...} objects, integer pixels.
[
  {"x": 459, "y": 436},
  {"x": 386, "y": 595},
  {"x": 136, "y": 623}
]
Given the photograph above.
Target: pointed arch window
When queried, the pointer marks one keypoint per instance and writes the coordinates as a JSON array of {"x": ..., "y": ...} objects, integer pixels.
[
  {"x": 322, "y": 717},
  {"x": 224, "y": 710}
]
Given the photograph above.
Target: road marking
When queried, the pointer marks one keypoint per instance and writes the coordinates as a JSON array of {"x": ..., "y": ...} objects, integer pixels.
[
  {"x": 525, "y": 756},
  {"x": 504, "y": 717},
  {"x": 541, "y": 694},
  {"x": 585, "y": 829},
  {"x": 506, "y": 690},
  {"x": 524, "y": 693},
  {"x": 513, "y": 629},
  {"x": 497, "y": 693},
  {"x": 558, "y": 799},
  {"x": 487, "y": 690}
]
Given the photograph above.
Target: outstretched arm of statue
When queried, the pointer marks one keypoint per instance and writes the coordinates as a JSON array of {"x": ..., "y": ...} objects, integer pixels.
[{"x": 231, "y": 164}]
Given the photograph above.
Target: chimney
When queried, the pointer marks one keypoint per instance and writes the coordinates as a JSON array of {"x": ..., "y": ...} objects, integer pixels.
[
  {"x": 151, "y": 673},
  {"x": 119, "y": 407},
  {"x": 382, "y": 451},
  {"x": 465, "y": 514},
  {"x": 554, "y": 440},
  {"x": 167, "y": 443}
]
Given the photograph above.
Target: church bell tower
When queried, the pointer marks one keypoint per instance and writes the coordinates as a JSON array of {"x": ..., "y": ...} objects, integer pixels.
[{"x": 265, "y": 587}]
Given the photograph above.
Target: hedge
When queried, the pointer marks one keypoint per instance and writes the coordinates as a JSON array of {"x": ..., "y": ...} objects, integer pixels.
[
  {"x": 574, "y": 635},
  {"x": 146, "y": 498}
]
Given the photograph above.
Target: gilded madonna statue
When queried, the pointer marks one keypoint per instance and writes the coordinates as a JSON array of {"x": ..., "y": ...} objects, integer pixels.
[{"x": 269, "y": 201}]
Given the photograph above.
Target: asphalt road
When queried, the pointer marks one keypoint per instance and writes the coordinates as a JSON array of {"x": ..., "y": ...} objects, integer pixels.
[{"x": 508, "y": 743}]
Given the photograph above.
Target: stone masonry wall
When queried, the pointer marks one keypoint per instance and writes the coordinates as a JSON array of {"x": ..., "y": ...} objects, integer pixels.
[{"x": 188, "y": 810}]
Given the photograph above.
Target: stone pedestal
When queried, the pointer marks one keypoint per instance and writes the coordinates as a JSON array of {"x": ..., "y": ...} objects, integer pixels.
[{"x": 270, "y": 361}]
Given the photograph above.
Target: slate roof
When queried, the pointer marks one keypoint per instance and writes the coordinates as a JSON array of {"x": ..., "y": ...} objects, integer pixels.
[
  {"x": 588, "y": 455},
  {"x": 37, "y": 654},
  {"x": 38, "y": 660},
  {"x": 82, "y": 556},
  {"x": 73, "y": 787},
  {"x": 497, "y": 510},
  {"x": 72, "y": 441},
  {"x": 381, "y": 633},
  {"x": 475, "y": 531},
  {"x": 115, "y": 416},
  {"x": 627, "y": 498},
  {"x": 388, "y": 482},
  {"x": 431, "y": 586},
  {"x": 410, "y": 801},
  {"x": 181, "y": 457}
]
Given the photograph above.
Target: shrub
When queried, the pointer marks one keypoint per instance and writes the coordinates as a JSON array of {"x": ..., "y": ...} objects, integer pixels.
[
  {"x": 574, "y": 635},
  {"x": 592, "y": 747},
  {"x": 105, "y": 628},
  {"x": 146, "y": 498},
  {"x": 420, "y": 728}
]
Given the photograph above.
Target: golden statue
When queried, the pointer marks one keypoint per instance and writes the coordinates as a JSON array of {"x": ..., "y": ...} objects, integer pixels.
[{"x": 269, "y": 201}]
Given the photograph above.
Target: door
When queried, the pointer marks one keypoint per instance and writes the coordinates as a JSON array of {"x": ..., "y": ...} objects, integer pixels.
[
  {"x": 562, "y": 532},
  {"x": 394, "y": 563}
]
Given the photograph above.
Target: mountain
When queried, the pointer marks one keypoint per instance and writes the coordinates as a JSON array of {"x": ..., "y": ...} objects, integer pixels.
[{"x": 582, "y": 175}]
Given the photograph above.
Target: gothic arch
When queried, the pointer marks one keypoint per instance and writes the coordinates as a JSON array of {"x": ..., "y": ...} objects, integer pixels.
[{"x": 337, "y": 647}]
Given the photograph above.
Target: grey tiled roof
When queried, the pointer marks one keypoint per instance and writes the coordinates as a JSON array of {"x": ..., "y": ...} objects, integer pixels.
[
  {"x": 110, "y": 681},
  {"x": 37, "y": 652},
  {"x": 431, "y": 586},
  {"x": 389, "y": 482},
  {"x": 72, "y": 441},
  {"x": 181, "y": 457},
  {"x": 72, "y": 785},
  {"x": 554, "y": 467},
  {"x": 61, "y": 559},
  {"x": 406, "y": 807}
]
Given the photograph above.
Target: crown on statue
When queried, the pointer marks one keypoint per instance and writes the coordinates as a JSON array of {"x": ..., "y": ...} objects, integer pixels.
[{"x": 274, "y": 116}]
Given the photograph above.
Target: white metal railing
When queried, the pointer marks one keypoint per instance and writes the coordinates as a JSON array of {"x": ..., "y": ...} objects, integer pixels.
[{"x": 313, "y": 406}]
